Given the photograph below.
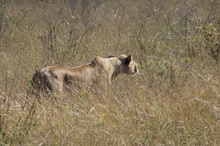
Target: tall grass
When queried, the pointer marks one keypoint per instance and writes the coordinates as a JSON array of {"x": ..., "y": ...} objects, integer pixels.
[{"x": 175, "y": 100}]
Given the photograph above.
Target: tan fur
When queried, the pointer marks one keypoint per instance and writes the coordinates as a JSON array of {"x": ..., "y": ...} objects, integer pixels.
[{"x": 100, "y": 70}]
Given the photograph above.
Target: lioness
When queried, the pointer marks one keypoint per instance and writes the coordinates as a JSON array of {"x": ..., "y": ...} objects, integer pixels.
[{"x": 99, "y": 71}]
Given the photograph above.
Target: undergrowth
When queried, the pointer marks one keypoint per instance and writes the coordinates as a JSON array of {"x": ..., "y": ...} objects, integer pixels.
[{"x": 174, "y": 101}]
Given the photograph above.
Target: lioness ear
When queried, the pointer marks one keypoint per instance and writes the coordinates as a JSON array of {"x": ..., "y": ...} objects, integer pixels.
[
  {"x": 96, "y": 61},
  {"x": 128, "y": 60}
]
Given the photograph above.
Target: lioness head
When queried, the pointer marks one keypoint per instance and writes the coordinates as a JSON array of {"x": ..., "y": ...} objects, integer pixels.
[
  {"x": 125, "y": 63},
  {"x": 129, "y": 65}
]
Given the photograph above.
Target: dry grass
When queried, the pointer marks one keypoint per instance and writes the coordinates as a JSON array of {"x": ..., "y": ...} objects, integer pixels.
[{"x": 176, "y": 100}]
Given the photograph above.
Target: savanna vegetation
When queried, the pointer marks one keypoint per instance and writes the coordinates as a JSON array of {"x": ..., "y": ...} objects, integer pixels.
[{"x": 175, "y": 100}]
